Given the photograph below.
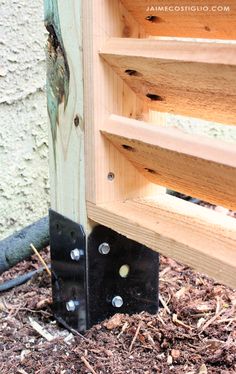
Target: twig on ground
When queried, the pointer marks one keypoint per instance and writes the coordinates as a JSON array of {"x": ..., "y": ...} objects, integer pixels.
[
  {"x": 124, "y": 327},
  {"x": 218, "y": 302},
  {"x": 165, "y": 306},
  {"x": 45, "y": 334},
  {"x": 209, "y": 322},
  {"x": 135, "y": 336},
  {"x": 180, "y": 323},
  {"x": 87, "y": 364},
  {"x": 161, "y": 320},
  {"x": 164, "y": 271},
  {"x": 41, "y": 259},
  {"x": 226, "y": 320},
  {"x": 200, "y": 322},
  {"x": 43, "y": 312}
]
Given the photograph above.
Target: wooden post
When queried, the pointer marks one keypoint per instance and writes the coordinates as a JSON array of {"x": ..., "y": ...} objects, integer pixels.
[{"x": 65, "y": 107}]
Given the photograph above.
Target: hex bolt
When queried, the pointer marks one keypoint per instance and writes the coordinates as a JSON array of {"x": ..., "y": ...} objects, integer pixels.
[
  {"x": 76, "y": 254},
  {"x": 104, "y": 248},
  {"x": 117, "y": 301},
  {"x": 72, "y": 305}
]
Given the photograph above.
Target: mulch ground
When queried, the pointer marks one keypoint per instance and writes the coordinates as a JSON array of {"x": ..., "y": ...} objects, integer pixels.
[{"x": 194, "y": 331}]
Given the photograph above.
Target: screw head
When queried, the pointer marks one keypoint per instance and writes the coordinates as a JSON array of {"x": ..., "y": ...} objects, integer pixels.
[
  {"x": 117, "y": 301},
  {"x": 104, "y": 248},
  {"x": 72, "y": 305},
  {"x": 75, "y": 254},
  {"x": 110, "y": 176}
]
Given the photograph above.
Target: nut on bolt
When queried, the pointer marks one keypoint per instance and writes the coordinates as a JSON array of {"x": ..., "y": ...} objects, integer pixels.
[
  {"x": 104, "y": 248},
  {"x": 72, "y": 305},
  {"x": 117, "y": 301},
  {"x": 76, "y": 253}
]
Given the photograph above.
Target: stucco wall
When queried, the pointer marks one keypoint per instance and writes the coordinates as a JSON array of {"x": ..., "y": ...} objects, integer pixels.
[
  {"x": 24, "y": 185},
  {"x": 200, "y": 127}
]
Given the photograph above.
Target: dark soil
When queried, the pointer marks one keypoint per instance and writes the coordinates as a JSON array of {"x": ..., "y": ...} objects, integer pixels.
[{"x": 193, "y": 333}]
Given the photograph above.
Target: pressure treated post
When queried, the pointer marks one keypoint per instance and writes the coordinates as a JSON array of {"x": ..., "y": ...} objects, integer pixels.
[
  {"x": 65, "y": 107},
  {"x": 68, "y": 219}
]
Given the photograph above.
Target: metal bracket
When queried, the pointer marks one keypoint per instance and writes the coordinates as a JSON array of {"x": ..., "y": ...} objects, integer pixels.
[
  {"x": 124, "y": 280},
  {"x": 68, "y": 274},
  {"x": 108, "y": 275}
]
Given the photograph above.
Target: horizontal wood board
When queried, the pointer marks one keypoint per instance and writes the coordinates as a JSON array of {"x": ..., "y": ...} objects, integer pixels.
[
  {"x": 197, "y": 166},
  {"x": 179, "y": 77},
  {"x": 210, "y": 19},
  {"x": 196, "y": 236}
]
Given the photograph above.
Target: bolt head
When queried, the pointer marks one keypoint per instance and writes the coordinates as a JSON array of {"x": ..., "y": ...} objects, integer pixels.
[
  {"x": 117, "y": 301},
  {"x": 104, "y": 248},
  {"x": 72, "y": 305},
  {"x": 75, "y": 254}
]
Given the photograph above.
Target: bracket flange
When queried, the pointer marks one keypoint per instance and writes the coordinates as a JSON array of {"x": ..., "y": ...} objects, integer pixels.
[
  {"x": 129, "y": 271},
  {"x": 68, "y": 275}
]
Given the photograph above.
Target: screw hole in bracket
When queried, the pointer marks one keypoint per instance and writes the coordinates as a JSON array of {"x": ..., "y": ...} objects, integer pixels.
[{"x": 124, "y": 271}]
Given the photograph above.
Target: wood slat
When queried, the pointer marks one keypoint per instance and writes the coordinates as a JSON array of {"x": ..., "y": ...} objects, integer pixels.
[
  {"x": 192, "y": 79},
  {"x": 196, "y": 236},
  {"x": 194, "y": 21},
  {"x": 197, "y": 166}
]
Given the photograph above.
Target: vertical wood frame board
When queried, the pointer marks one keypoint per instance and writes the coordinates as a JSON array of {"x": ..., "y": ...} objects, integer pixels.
[{"x": 109, "y": 175}]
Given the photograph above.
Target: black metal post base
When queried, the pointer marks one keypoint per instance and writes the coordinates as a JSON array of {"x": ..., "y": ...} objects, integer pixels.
[{"x": 94, "y": 278}]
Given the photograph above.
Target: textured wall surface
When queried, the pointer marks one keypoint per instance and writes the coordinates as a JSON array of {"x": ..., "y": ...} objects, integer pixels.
[
  {"x": 199, "y": 127},
  {"x": 24, "y": 189}
]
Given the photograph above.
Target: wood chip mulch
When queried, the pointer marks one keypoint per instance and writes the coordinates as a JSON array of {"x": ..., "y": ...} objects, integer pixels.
[{"x": 194, "y": 332}]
